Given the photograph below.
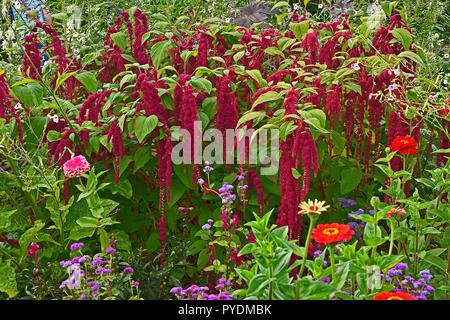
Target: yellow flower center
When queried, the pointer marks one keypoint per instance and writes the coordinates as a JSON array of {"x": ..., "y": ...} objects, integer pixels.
[
  {"x": 330, "y": 231},
  {"x": 394, "y": 298}
]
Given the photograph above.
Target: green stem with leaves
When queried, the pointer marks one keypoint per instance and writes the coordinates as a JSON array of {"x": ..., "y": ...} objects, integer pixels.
[
  {"x": 391, "y": 245},
  {"x": 313, "y": 219},
  {"x": 333, "y": 264}
]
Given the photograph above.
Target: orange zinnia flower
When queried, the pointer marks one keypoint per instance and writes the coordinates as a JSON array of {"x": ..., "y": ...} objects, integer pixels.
[
  {"x": 404, "y": 145},
  {"x": 330, "y": 233},
  {"x": 393, "y": 296}
]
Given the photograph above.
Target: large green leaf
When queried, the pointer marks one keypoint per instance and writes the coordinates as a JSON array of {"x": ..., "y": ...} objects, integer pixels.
[
  {"x": 8, "y": 282},
  {"x": 350, "y": 178}
]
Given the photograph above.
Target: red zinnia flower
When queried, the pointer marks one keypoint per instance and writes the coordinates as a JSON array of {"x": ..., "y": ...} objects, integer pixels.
[
  {"x": 393, "y": 296},
  {"x": 330, "y": 233},
  {"x": 404, "y": 145}
]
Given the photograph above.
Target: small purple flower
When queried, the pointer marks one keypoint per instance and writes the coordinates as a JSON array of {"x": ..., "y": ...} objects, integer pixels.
[
  {"x": 136, "y": 283},
  {"x": 97, "y": 261},
  {"x": 110, "y": 250},
  {"x": 219, "y": 286},
  {"x": 175, "y": 289},
  {"x": 201, "y": 181},
  {"x": 325, "y": 279},
  {"x": 193, "y": 288},
  {"x": 206, "y": 227},
  {"x": 210, "y": 221},
  {"x": 222, "y": 280},
  {"x": 128, "y": 270},
  {"x": 65, "y": 264},
  {"x": 76, "y": 246},
  {"x": 419, "y": 283},
  {"x": 84, "y": 296},
  {"x": 426, "y": 274},
  {"x": 317, "y": 253},
  {"x": 402, "y": 266}
]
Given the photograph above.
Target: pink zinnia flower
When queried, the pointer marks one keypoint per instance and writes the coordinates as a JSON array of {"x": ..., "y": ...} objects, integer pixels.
[
  {"x": 395, "y": 211},
  {"x": 75, "y": 167}
]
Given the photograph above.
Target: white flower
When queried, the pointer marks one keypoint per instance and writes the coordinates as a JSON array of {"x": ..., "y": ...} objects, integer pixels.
[
  {"x": 227, "y": 20},
  {"x": 446, "y": 56},
  {"x": 295, "y": 6},
  {"x": 355, "y": 66},
  {"x": 396, "y": 72},
  {"x": 320, "y": 6}
]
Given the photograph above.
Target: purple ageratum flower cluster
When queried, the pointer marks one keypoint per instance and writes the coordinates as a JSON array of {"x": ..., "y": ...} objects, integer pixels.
[
  {"x": 206, "y": 226},
  {"x": 227, "y": 197},
  {"x": 76, "y": 246},
  {"x": 396, "y": 271},
  {"x": 419, "y": 288},
  {"x": 75, "y": 275},
  {"x": 347, "y": 203},
  {"x": 195, "y": 292},
  {"x": 207, "y": 167},
  {"x": 110, "y": 250},
  {"x": 95, "y": 269},
  {"x": 356, "y": 225}
]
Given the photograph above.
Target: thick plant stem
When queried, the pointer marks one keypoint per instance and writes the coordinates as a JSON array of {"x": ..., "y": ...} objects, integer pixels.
[
  {"x": 333, "y": 266},
  {"x": 312, "y": 223},
  {"x": 392, "y": 237},
  {"x": 448, "y": 271}
]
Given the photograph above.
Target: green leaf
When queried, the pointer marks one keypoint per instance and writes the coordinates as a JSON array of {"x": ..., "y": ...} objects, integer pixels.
[
  {"x": 159, "y": 51},
  {"x": 299, "y": 29},
  {"x": 88, "y": 222},
  {"x": 8, "y": 282},
  {"x": 79, "y": 232},
  {"x": 144, "y": 126},
  {"x": 152, "y": 243},
  {"x": 141, "y": 157},
  {"x": 403, "y": 36},
  {"x": 201, "y": 83},
  {"x": 30, "y": 94},
  {"x": 120, "y": 39},
  {"x": 315, "y": 290},
  {"x": 373, "y": 235},
  {"x": 250, "y": 116},
  {"x": 350, "y": 178},
  {"x": 88, "y": 80},
  {"x": 62, "y": 78},
  {"x": 265, "y": 97},
  {"x": 413, "y": 56}
]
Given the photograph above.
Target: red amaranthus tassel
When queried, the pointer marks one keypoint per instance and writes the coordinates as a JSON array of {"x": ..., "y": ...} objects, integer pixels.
[
  {"x": 205, "y": 43},
  {"x": 32, "y": 58},
  {"x": 227, "y": 113},
  {"x": 140, "y": 28},
  {"x": 290, "y": 192},
  {"x": 5, "y": 102},
  {"x": 253, "y": 180},
  {"x": 333, "y": 108},
  {"x": 311, "y": 45},
  {"x": 305, "y": 147},
  {"x": 178, "y": 96},
  {"x": 112, "y": 60}
]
